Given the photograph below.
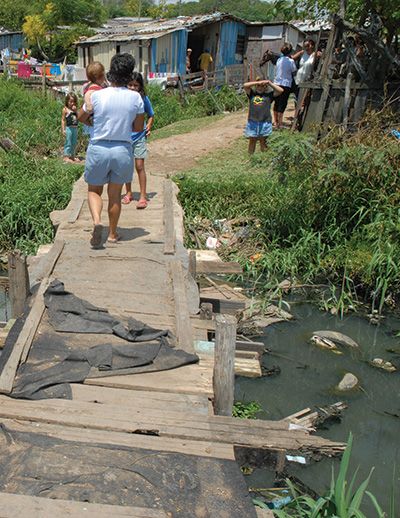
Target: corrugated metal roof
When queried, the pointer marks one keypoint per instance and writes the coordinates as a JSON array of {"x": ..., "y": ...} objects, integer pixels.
[
  {"x": 127, "y": 29},
  {"x": 312, "y": 25}
]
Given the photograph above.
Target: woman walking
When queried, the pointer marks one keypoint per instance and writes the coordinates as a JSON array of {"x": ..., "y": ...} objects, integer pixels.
[{"x": 116, "y": 111}]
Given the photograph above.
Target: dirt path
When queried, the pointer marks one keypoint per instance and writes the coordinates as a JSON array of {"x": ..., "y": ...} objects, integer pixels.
[{"x": 180, "y": 152}]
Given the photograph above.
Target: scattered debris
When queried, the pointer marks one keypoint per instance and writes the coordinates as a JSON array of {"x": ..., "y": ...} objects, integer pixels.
[
  {"x": 382, "y": 364},
  {"x": 275, "y": 370},
  {"x": 212, "y": 243},
  {"x": 296, "y": 458},
  {"x": 337, "y": 337},
  {"x": 324, "y": 343},
  {"x": 320, "y": 418},
  {"x": 348, "y": 382}
]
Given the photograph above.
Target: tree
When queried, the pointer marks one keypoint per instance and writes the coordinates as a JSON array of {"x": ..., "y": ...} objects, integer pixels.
[
  {"x": 137, "y": 8},
  {"x": 358, "y": 12},
  {"x": 34, "y": 29},
  {"x": 12, "y": 13}
]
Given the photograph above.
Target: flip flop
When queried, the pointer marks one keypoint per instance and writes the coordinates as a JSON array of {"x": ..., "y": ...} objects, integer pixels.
[
  {"x": 141, "y": 204},
  {"x": 95, "y": 241},
  {"x": 113, "y": 240},
  {"x": 126, "y": 199}
]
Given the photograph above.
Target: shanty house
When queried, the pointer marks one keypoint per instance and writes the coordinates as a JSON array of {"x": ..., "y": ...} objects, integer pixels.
[
  {"x": 159, "y": 46},
  {"x": 270, "y": 36},
  {"x": 12, "y": 40}
]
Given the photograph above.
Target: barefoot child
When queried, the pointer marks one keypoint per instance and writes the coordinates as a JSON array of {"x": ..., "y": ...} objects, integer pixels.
[
  {"x": 139, "y": 145},
  {"x": 69, "y": 127},
  {"x": 259, "y": 123}
]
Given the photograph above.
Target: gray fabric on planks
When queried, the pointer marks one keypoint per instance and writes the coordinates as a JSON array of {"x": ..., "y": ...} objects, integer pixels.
[
  {"x": 184, "y": 486},
  {"x": 53, "y": 364},
  {"x": 70, "y": 314}
]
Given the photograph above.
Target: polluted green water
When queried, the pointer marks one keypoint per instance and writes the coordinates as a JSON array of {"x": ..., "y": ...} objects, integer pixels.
[{"x": 308, "y": 378}]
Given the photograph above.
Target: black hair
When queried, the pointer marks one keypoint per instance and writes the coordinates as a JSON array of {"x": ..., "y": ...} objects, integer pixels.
[
  {"x": 286, "y": 49},
  {"x": 138, "y": 78},
  {"x": 121, "y": 69}
]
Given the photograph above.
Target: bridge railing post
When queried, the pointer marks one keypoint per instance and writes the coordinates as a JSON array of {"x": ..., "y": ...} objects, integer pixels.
[{"x": 224, "y": 364}]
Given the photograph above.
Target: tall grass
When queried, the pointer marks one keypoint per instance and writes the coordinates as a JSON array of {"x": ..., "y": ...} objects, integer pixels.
[
  {"x": 33, "y": 180},
  {"x": 344, "y": 499},
  {"x": 170, "y": 108},
  {"x": 314, "y": 211}
]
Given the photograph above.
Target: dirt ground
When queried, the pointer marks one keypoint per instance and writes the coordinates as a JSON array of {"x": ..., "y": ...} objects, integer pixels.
[{"x": 180, "y": 152}]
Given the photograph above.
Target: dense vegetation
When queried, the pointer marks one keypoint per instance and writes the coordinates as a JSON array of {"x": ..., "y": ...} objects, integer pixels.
[
  {"x": 34, "y": 181},
  {"x": 308, "y": 211}
]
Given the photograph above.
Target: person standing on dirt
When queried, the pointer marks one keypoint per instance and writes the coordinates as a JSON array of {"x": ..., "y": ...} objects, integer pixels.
[
  {"x": 116, "y": 111},
  {"x": 285, "y": 69},
  {"x": 259, "y": 123},
  {"x": 205, "y": 60}
]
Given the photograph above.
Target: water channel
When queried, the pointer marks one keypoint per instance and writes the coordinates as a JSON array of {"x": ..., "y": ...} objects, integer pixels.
[{"x": 309, "y": 378}]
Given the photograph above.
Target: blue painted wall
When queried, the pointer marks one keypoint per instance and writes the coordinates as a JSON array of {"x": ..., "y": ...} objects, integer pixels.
[
  {"x": 230, "y": 31},
  {"x": 168, "y": 53},
  {"x": 12, "y": 41}
]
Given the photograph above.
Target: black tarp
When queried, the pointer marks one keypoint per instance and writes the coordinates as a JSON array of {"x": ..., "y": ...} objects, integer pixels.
[
  {"x": 180, "y": 484},
  {"x": 53, "y": 364}
]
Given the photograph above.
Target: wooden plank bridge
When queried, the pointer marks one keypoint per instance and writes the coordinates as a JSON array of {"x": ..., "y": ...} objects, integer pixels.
[{"x": 140, "y": 445}]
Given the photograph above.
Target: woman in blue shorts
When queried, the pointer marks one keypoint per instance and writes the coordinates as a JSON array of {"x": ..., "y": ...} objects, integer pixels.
[
  {"x": 259, "y": 123},
  {"x": 116, "y": 111}
]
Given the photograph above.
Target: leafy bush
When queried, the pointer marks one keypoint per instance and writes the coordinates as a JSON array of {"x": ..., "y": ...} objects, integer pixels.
[{"x": 327, "y": 210}]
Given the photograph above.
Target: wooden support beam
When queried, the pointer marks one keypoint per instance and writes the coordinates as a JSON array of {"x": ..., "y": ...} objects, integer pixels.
[
  {"x": 169, "y": 228},
  {"x": 224, "y": 364},
  {"x": 22, "y": 345},
  {"x": 19, "y": 282},
  {"x": 346, "y": 103},
  {"x": 184, "y": 333}
]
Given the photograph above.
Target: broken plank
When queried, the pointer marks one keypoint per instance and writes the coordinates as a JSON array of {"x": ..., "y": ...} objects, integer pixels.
[
  {"x": 26, "y": 506},
  {"x": 228, "y": 430},
  {"x": 122, "y": 440}
]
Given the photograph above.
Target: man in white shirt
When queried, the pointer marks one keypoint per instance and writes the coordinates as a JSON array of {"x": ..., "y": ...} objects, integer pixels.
[{"x": 116, "y": 111}]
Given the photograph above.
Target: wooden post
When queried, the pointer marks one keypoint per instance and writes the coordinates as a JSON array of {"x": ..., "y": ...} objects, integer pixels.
[
  {"x": 346, "y": 103},
  {"x": 44, "y": 78},
  {"x": 192, "y": 263},
  {"x": 224, "y": 364},
  {"x": 19, "y": 282}
]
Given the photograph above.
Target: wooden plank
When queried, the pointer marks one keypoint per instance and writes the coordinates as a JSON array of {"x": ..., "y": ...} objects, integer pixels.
[
  {"x": 169, "y": 227},
  {"x": 133, "y": 400},
  {"x": 228, "y": 430},
  {"x": 190, "y": 379},
  {"x": 218, "y": 267},
  {"x": 184, "y": 333},
  {"x": 224, "y": 364},
  {"x": 24, "y": 506},
  {"x": 346, "y": 103},
  {"x": 22, "y": 345},
  {"x": 46, "y": 265},
  {"x": 18, "y": 282},
  {"x": 75, "y": 210},
  {"x": 148, "y": 442}
]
